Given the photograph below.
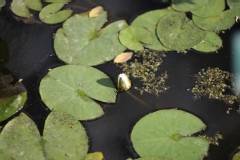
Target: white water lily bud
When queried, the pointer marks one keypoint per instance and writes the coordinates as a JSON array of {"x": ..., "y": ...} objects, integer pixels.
[{"x": 124, "y": 82}]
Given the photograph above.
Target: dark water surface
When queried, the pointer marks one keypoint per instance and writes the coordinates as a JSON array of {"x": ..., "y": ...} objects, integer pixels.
[{"x": 32, "y": 54}]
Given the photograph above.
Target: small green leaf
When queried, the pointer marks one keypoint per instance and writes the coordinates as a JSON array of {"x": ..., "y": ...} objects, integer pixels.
[
  {"x": 73, "y": 88},
  {"x": 236, "y": 156},
  {"x": 134, "y": 38},
  {"x": 167, "y": 133},
  {"x": 188, "y": 5},
  {"x": 212, "y": 42},
  {"x": 81, "y": 41},
  {"x": 149, "y": 21},
  {"x": 2, "y": 3},
  {"x": 212, "y": 8},
  {"x": 235, "y": 6},
  {"x": 20, "y": 139},
  {"x": 10, "y": 105},
  {"x": 21, "y": 7},
  {"x": 223, "y": 21},
  {"x": 50, "y": 14},
  {"x": 177, "y": 32},
  {"x": 64, "y": 137}
]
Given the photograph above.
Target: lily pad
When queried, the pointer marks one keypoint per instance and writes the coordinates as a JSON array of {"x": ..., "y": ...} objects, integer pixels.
[
  {"x": 21, "y": 7},
  {"x": 81, "y": 41},
  {"x": 235, "y": 6},
  {"x": 72, "y": 88},
  {"x": 20, "y": 139},
  {"x": 167, "y": 133},
  {"x": 50, "y": 14},
  {"x": 64, "y": 137},
  {"x": 188, "y": 5},
  {"x": 213, "y": 8},
  {"x": 10, "y": 105},
  {"x": 2, "y": 3},
  {"x": 134, "y": 38},
  {"x": 212, "y": 42},
  {"x": 222, "y": 21},
  {"x": 150, "y": 20},
  {"x": 236, "y": 156},
  {"x": 177, "y": 32}
]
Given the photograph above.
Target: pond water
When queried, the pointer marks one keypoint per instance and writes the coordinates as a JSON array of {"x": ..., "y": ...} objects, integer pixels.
[{"x": 32, "y": 54}]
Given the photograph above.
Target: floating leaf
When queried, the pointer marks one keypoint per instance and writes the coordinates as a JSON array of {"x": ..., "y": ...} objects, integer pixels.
[
  {"x": 81, "y": 41},
  {"x": 2, "y": 3},
  {"x": 57, "y": 1},
  {"x": 188, "y": 5},
  {"x": 177, "y": 32},
  {"x": 21, "y": 7},
  {"x": 20, "y": 139},
  {"x": 95, "y": 11},
  {"x": 236, "y": 156},
  {"x": 134, "y": 38},
  {"x": 149, "y": 21},
  {"x": 50, "y": 14},
  {"x": 167, "y": 133},
  {"x": 123, "y": 57},
  {"x": 64, "y": 137},
  {"x": 73, "y": 87},
  {"x": 235, "y": 6},
  {"x": 222, "y": 21},
  {"x": 212, "y": 42},
  {"x": 94, "y": 156},
  {"x": 213, "y": 8},
  {"x": 10, "y": 105}
]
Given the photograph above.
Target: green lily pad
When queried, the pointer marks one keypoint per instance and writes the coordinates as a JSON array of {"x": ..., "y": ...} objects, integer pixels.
[
  {"x": 50, "y": 14},
  {"x": 236, "y": 156},
  {"x": 10, "y": 105},
  {"x": 235, "y": 6},
  {"x": 134, "y": 38},
  {"x": 212, "y": 42},
  {"x": 149, "y": 21},
  {"x": 2, "y": 3},
  {"x": 167, "y": 133},
  {"x": 64, "y": 137},
  {"x": 57, "y": 1},
  {"x": 81, "y": 41},
  {"x": 188, "y": 5},
  {"x": 213, "y": 8},
  {"x": 20, "y": 139},
  {"x": 73, "y": 88},
  {"x": 21, "y": 7},
  {"x": 222, "y": 21},
  {"x": 177, "y": 32}
]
